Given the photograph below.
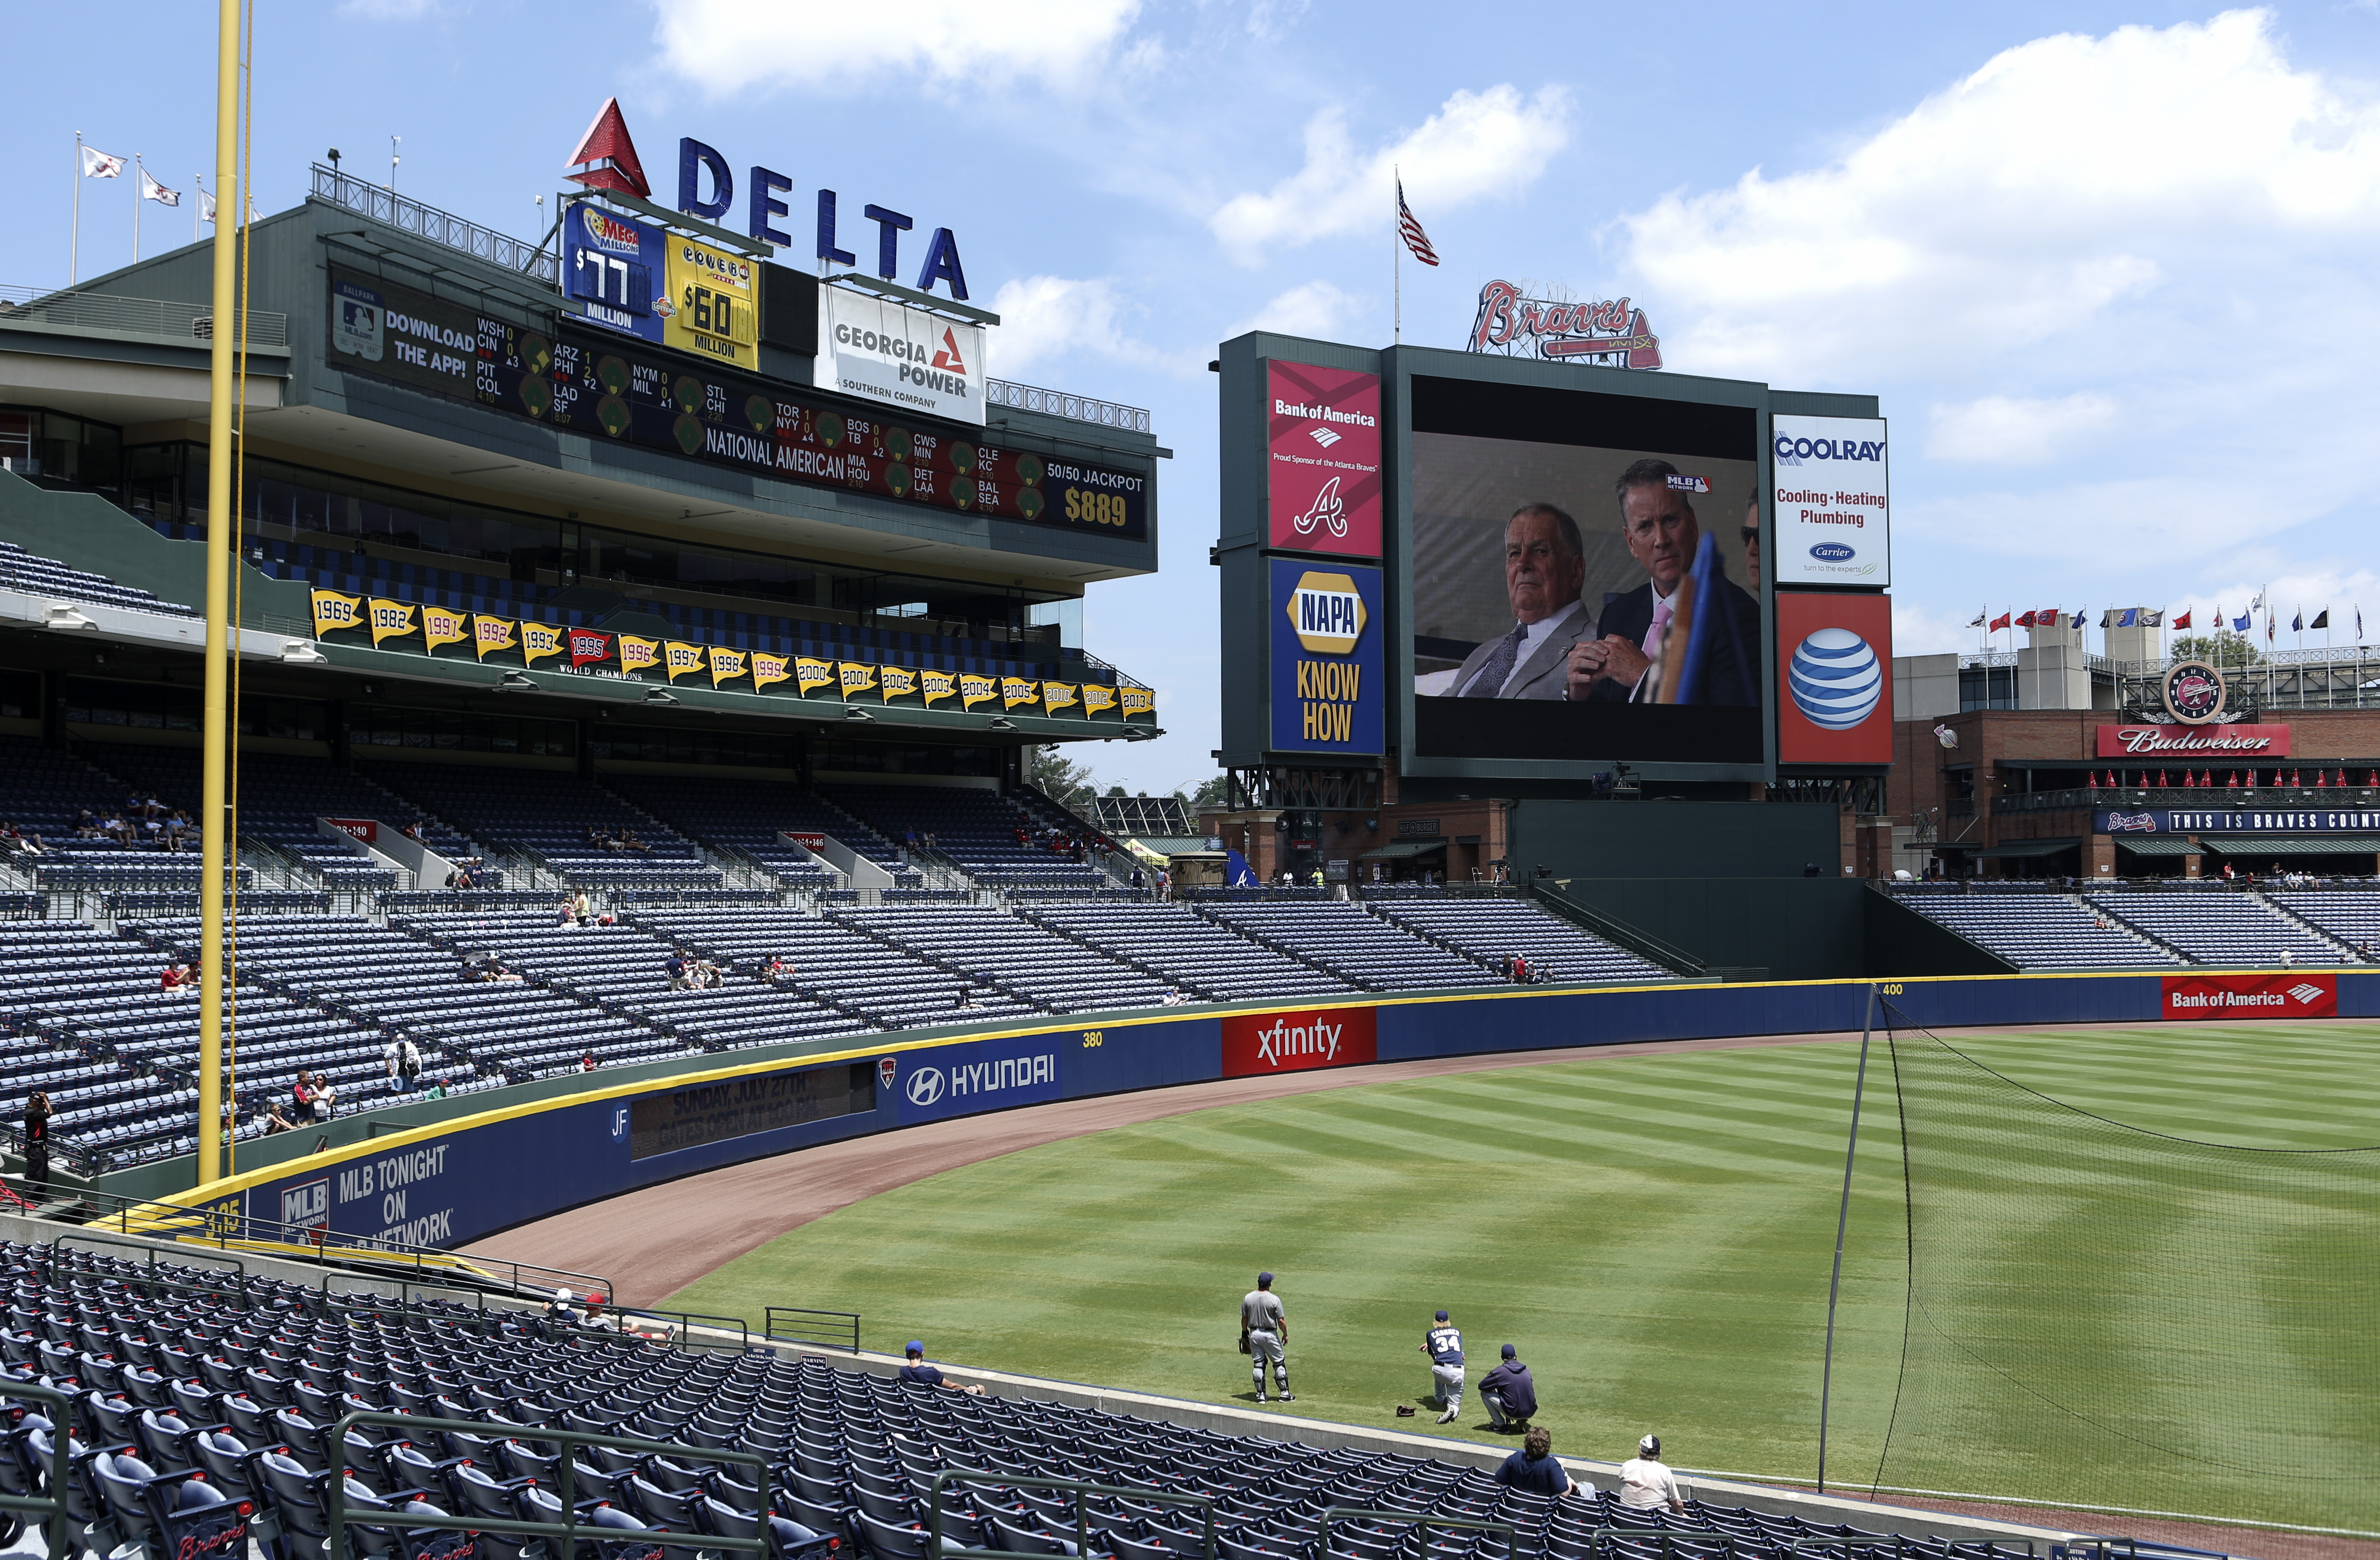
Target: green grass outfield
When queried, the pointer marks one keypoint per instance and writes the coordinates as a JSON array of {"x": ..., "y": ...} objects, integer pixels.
[{"x": 1654, "y": 1232}]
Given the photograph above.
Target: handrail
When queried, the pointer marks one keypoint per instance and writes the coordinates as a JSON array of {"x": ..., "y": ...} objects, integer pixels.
[
  {"x": 1081, "y": 1488},
  {"x": 768, "y": 1326},
  {"x": 410, "y": 215},
  {"x": 1424, "y": 1521},
  {"x": 565, "y": 1471},
  {"x": 52, "y": 1506},
  {"x": 1642, "y": 944},
  {"x": 1060, "y": 403}
]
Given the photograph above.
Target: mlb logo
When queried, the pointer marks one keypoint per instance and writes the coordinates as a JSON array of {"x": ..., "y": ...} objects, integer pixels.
[{"x": 307, "y": 1205}]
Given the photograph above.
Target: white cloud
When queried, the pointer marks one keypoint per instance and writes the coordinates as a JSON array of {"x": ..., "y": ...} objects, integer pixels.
[
  {"x": 2010, "y": 430},
  {"x": 1476, "y": 145},
  {"x": 387, "y": 10},
  {"x": 1042, "y": 318},
  {"x": 728, "y": 46},
  {"x": 1315, "y": 309}
]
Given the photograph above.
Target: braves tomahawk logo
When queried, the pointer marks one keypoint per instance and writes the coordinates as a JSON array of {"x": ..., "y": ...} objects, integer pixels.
[
  {"x": 2131, "y": 822},
  {"x": 1327, "y": 510}
]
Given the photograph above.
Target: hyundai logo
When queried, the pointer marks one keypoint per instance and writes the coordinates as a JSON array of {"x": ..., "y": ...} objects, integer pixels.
[
  {"x": 1833, "y": 553},
  {"x": 924, "y": 1086}
]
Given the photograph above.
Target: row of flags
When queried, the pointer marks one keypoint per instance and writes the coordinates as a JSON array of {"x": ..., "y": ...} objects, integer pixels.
[
  {"x": 2292, "y": 779},
  {"x": 99, "y": 165},
  {"x": 2147, "y": 617}
]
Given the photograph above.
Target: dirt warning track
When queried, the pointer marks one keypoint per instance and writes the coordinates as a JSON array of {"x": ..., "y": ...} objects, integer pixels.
[{"x": 654, "y": 1242}]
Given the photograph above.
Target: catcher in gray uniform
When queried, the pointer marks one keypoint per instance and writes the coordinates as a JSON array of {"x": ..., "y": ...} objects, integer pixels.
[{"x": 1264, "y": 1330}]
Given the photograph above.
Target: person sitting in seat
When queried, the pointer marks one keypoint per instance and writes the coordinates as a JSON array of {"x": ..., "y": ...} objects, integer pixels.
[
  {"x": 1535, "y": 1469},
  {"x": 1646, "y": 1481},
  {"x": 175, "y": 982},
  {"x": 674, "y": 967},
  {"x": 922, "y": 1374},
  {"x": 595, "y": 1318},
  {"x": 628, "y": 841},
  {"x": 276, "y": 1122},
  {"x": 587, "y": 1062}
]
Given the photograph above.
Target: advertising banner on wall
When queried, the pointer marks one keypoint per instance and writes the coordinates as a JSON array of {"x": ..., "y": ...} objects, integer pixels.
[
  {"x": 1328, "y": 691},
  {"x": 1834, "y": 662},
  {"x": 2168, "y": 742},
  {"x": 713, "y": 306},
  {"x": 1256, "y": 1044},
  {"x": 1833, "y": 515},
  {"x": 2287, "y": 995},
  {"x": 903, "y": 357},
  {"x": 617, "y": 270},
  {"x": 1322, "y": 459},
  {"x": 987, "y": 1075},
  {"x": 2235, "y": 820}
]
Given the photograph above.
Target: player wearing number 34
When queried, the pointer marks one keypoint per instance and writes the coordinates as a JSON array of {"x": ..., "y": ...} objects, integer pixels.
[{"x": 1544, "y": 567}]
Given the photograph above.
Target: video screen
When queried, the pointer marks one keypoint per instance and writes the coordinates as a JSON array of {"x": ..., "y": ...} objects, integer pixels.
[{"x": 1583, "y": 587}]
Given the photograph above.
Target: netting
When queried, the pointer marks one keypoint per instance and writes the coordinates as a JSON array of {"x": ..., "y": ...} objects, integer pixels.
[{"x": 2108, "y": 1316}]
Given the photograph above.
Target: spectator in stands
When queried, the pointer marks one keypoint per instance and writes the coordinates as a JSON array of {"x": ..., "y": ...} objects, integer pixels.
[
  {"x": 404, "y": 1061},
  {"x": 1535, "y": 1469},
  {"x": 37, "y": 1138},
  {"x": 595, "y": 1318},
  {"x": 306, "y": 1097},
  {"x": 276, "y": 1122},
  {"x": 415, "y": 832},
  {"x": 1646, "y": 1481},
  {"x": 438, "y": 1090},
  {"x": 1174, "y": 997},
  {"x": 628, "y": 841},
  {"x": 674, "y": 967},
  {"x": 922, "y": 1374},
  {"x": 587, "y": 1062},
  {"x": 1509, "y": 1394},
  {"x": 175, "y": 982},
  {"x": 180, "y": 832},
  {"x": 778, "y": 971}
]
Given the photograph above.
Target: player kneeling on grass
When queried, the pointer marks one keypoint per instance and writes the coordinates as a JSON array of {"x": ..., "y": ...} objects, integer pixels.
[
  {"x": 1535, "y": 1469},
  {"x": 1443, "y": 1343},
  {"x": 1264, "y": 1334},
  {"x": 1511, "y": 1395}
]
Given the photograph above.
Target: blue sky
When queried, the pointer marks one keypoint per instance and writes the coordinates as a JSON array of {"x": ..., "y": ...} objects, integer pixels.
[{"x": 2110, "y": 269}]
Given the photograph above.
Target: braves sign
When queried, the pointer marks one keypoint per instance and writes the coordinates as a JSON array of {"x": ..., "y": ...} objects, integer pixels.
[
  {"x": 1322, "y": 444},
  {"x": 1258, "y": 1043},
  {"x": 1611, "y": 333},
  {"x": 2286, "y": 995}
]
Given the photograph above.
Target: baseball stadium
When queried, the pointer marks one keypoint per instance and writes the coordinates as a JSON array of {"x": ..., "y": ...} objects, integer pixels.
[{"x": 550, "y": 999}]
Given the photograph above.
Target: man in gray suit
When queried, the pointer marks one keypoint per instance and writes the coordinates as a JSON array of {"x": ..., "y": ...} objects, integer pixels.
[{"x": 1544, "y": 565}]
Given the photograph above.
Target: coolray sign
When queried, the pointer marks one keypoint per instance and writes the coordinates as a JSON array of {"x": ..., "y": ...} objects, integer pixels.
[
  {"x": 1256, "y": 1044},
  {"x": 1831, "y": 495},
  {"x": 2287, "y": 995},
  {"x": 980, "y": 1076},
  {"x": 1322, "y": 441},
  {"x": 1329, "y": 694},
  {"x": 905, "y": 358},
  {"x": 2234, "y": 821},
  {"x": 1611, "y": 331},
  {"x": 2193, "y": 741}
]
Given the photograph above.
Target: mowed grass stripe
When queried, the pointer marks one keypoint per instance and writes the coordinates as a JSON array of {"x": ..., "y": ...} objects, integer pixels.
[{"x": 1655, "y": 1233}]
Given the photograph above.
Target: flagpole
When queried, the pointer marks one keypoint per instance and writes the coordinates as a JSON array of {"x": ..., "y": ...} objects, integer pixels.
[
  {"x": 1397, "y": 261},
  {"x": 74, "y": 244},
  {"x": 139, "y": 177}
]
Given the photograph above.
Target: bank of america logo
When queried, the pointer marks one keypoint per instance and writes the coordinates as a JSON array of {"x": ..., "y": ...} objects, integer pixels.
[
  {"x": 1323, "y": 437},
  {"x": 2307, "y": 992}
]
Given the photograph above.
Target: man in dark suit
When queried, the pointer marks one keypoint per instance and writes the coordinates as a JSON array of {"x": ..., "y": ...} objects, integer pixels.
[
  {"x": 1545, "y": 563},
  {"x": 1659, "y": 526}
]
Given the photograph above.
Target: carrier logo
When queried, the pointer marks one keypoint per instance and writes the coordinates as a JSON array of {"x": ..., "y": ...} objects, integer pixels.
[
  {"x": 1324, "y": 437},
  {"x": 1833, "y": 553},
  {"x": 1275, "y": 1042},
  {"x": 1326, "y": 612}
]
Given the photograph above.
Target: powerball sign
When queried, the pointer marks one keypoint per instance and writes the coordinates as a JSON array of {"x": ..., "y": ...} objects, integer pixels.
[{"x": 2285, "y": 996}]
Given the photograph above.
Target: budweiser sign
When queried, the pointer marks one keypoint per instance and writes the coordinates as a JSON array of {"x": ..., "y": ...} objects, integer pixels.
[{"x": 2193, "y": 741}]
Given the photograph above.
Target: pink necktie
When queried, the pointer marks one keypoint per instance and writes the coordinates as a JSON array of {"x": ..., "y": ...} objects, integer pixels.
[{"x": 1661, "y": 621}]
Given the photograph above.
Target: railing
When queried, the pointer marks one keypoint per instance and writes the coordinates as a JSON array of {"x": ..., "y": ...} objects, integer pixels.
[
  {"x": 565, "y": 1468},
  {"x": 1081, "y": 1489},
  {"x": 408, "y": 215},
  {"x": 162, "y": 318},
  {"x": 2205, "y": 798},
  {"x": 51, "y": 1507},
  {"x": 832, "y": 1329},
  {"x": 1423, "y": 1522},
  {"x": 1059, "y": 403}
]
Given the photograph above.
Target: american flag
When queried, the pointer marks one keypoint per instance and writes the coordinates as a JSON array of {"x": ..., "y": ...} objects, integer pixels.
[{"x": 1410, "y": 230}]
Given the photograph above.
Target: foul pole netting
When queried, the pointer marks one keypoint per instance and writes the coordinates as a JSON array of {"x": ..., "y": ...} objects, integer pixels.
[{"x": 2106, "y": 1316}]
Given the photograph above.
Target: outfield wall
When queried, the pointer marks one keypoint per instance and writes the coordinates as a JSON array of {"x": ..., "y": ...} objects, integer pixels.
[{"x": 450, "y": 1183}]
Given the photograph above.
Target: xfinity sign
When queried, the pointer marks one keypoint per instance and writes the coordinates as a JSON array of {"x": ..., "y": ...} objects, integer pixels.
[{"x": 1829, "y": 491}]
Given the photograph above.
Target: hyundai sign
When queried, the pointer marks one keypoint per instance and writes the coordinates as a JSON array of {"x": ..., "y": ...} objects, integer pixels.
[{"x": 1830, "y": 490}]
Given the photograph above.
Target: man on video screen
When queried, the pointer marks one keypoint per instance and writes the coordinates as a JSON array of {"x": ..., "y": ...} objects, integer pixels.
[
  {"x": 1544, "y": 564},
  {"x": 1659, "y": 526}
]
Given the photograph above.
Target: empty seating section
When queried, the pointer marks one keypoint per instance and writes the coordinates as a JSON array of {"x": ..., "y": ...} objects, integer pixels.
[
  {"x": 1496, "y": 929},
  {"x": 999, "y": 949},
  {"x": 2351, "y": 915},
  {"x": 571, "y": 980},
  {"x": 2041, "y": 931},
  {"x": 1188, "y": 950},
  {"x": 837, "y": 965},
  {"x": 555, "y": 817},
  {"x": 280, "y": 797},
  {"x": 2220, "y": 928},
  {"x": 37, "y": 575},
  {"x": 172, "y": 1363},
  {"x": 749, "y": 818},
  {"x": 1349, "y": 943},
  {"x": 810, "y": 814},
  {"x": 997, "y": 841}
]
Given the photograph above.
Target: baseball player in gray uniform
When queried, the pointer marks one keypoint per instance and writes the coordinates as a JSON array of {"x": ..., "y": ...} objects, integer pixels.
[
  {"x": 1264, "y": 1329},
  {"x": 1443, "y": 1343}
]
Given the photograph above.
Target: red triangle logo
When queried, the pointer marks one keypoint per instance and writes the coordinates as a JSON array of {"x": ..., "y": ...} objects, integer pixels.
[
  {"x": 946, "y": 355},
  {"x": 606, "y": 142}
]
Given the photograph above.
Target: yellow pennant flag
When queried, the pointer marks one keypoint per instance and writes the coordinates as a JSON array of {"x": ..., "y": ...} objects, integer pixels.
[
  {"x": 639, "y": 655},
  {"x": 1018, "y": 691},
  {"x": 390, "y": 620},
  {"x": 440, "y": 627},
  {"x": 767, "y": 669},
  {"x": 974, "y": 690},
  {"x": 809, "y": 672},
  {"x": 726, "y": 664},
  {"x": 679, "y": 658},
  {"x": 492, "y": 633},
  {"x": 899, "y": 680},
  {"x": 855, "y": 677},
  {"x": 938, "y": 685},
  {"x": 540, "y": 641},
  {"x": 1057, "y": 696},
  {"x": 1138, "y": 700},
  {"x": 1096, "y": 699},
  {"x": 332, "y": 610}
]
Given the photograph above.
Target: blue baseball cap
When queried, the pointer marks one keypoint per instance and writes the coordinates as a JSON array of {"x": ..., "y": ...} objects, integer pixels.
[
  {"x": 1511, "y": 1353},
  {"x": 915, "y": 1348},
  {"x": 1264, "y": 1278},
  {"x": 1442, "y": 1316}
]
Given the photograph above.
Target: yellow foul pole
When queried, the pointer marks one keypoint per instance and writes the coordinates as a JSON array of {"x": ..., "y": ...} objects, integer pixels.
[{"x": 223, "y": 538}]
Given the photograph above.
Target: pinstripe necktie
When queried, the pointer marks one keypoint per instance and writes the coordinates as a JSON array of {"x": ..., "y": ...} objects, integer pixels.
[{"x": 1490, "y": 680}]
